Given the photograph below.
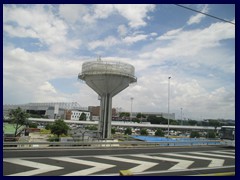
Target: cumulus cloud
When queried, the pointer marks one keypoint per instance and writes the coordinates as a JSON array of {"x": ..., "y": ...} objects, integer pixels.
[
  {"x": 135, "y": 13},
  {"x": 198, "y": 17},
  {"x": 122, "y": 30},
  {"x": 135, "y": 38},
  {"x": 39, "y": 23},
  {"x": 107, "y": 42},
  {"x": 72, "y": 12},
  {"x": 190, "y": 42}
]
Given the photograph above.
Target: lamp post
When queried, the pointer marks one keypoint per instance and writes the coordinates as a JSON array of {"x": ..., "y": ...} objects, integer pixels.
[
  {"x": 168, "y": 101},
  {"x": 181, "y": 117},
  {"x": 131, "y": 109}
]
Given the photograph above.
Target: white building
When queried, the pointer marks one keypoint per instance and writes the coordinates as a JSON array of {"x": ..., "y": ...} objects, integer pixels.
[{"x": 76, "y": 115}]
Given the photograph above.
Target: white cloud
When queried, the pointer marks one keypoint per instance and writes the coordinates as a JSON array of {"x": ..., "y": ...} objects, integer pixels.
[
  {"x": 72, "y": 12},
  {"x": 46, "y": 87},
  {"x": 135, "y": 13},
  {"x": 39, "y": 23},
  {"x": 106, "y": 43},
  {"x": 132, "y": 39},
  {"x": 172, "y": 34},
  {"x": 198, "y": 17},
  {"x": 122, "y": 30},
  {"x": 191, "y": 42}
]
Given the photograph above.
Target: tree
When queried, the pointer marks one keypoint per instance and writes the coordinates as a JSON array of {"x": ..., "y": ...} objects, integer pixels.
[
  {"x": 192, "y": 122},
  {"x": 113, "y": 130},
  {"x": 128, "y": 131},
  {"x": 214, "y": 123},
  {"x": 194, "y": 134},
  {"x": 144, "y": 132},
  {"x": 211, "y": 134},
  {"x": 19, "y": 118},
  {"x": 159, "y": 132},
  {"x": 83, "y": 116},
  {"x": 153, "y": 119},
  {"x": 32, "y": 125},
  {"x": 48, "y": 126},
  {"x": 59, "y": 127}
]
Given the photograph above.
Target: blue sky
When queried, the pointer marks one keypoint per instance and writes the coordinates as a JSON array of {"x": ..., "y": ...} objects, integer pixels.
[{"x": 44, "y": 47}]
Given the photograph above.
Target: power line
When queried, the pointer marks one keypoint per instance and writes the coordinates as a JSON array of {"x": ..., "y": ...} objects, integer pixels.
[{"x": 205, "y": 14}]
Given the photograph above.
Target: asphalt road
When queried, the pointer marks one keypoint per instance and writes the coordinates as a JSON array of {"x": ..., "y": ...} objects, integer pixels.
[{"x": 159, "y": 161}]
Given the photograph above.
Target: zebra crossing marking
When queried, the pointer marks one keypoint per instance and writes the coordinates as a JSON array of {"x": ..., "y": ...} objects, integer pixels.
[
  {"x": 96, "y": 166},
  {"x": 224, "y": 152},
  {"x": 41, "y": 168},
  {"x": 143, "y": 165},
  {"x": 215, "y": 155},
  {"x": 182, "y": 164},
  {"x": 214, "y": 162}
]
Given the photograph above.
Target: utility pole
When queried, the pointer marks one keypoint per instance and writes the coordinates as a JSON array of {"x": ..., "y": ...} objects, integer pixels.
[
  {"x": 131, "y": 109},
  {"x": 168, "y": 101},
  {"x": 181, "y": 117}
]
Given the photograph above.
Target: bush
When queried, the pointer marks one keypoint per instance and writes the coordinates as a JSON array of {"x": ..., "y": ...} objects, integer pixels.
[
  {"x": 54, "y": 139},
  {"x": 194, "y": 134},
  {"x": 128, "y": 131},
  {"x": 211, "y": 134},
  {"x": 144, "y": 132},
  {"x": 113, "y": 131},
  {"x": 45, "y": 131},
  {"x": 159, "y": 132}
]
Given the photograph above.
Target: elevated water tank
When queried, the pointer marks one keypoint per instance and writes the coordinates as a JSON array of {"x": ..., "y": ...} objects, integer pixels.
[{"x": 107, "y": 78}]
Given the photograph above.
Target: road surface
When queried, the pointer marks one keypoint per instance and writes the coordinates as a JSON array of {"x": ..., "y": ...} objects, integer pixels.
[{"x": 160, "y": 161}]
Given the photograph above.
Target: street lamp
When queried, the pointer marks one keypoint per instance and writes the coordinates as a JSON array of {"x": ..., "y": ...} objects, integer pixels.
[
  {"x": 168, "y": 101},
  {"x": 131, "y": 109},
  {"x": 181, "y": 117}
]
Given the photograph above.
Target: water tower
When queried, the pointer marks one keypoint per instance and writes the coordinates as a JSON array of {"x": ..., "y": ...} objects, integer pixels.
[{"x": 107, "y": 78}]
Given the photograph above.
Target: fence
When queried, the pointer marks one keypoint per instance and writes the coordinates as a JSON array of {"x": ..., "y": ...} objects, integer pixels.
[{"x": 105, "y": 143}]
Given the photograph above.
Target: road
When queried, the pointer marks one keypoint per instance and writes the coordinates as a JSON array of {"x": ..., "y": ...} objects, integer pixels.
[{"x": 159, "y": 161}]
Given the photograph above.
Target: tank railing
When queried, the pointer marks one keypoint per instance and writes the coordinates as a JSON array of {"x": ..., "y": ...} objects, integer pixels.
[
  {"x": 107, "y": 73},
  {"x": 108, "y": 66}
]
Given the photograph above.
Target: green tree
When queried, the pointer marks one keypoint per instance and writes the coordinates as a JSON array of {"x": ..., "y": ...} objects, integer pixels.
[
  {"x": 153, "y": 119},
  {"x": 32, "y": 125},
  {"x": 144, "y": 132},
  {"x": 48, "y": 126},
  {"x": 174, "y": 122},
  {"x": 211, "y": 134},
  {"x": 194, "y": 134},
  {"x": 136, "y": 120},
  {"x": 124, "y": 114},
  {"x": 159, "y": 132},
  {"x": 192, "y": 122},
  {"x": 93, "y": 127},
  {"x": 128, "y": 131},
  {"x": 19, "y": 118},
  {"x": 214, "y": 123},
  {"x": 83, "y": 116},
  {"x": 113, "y": 130},
  {"x": 59, "y": 127}
]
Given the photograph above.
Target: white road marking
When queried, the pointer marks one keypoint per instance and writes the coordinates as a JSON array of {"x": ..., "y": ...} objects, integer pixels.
[
  {"x": 96, "y": 166},
  {"x": 224, "y": 152},
  {"x": 182, "y": 164},
  {"x": 214, "y": 162},
  {"x": 215, "y": 155},
  {"x": 41, "y": 168},
  {"x": 144, "y": 165}
]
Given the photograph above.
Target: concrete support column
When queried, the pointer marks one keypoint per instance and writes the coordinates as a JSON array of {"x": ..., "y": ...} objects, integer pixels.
[{"x": 104, "y": 125}]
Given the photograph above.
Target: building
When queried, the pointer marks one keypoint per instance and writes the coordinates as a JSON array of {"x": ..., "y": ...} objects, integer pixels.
[
  {"x": 51, "y": 110},
  {"x": 76, "y": 114}
]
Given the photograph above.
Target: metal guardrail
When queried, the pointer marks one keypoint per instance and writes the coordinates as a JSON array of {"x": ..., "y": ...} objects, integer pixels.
[{"x": 94, "y": 144}]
